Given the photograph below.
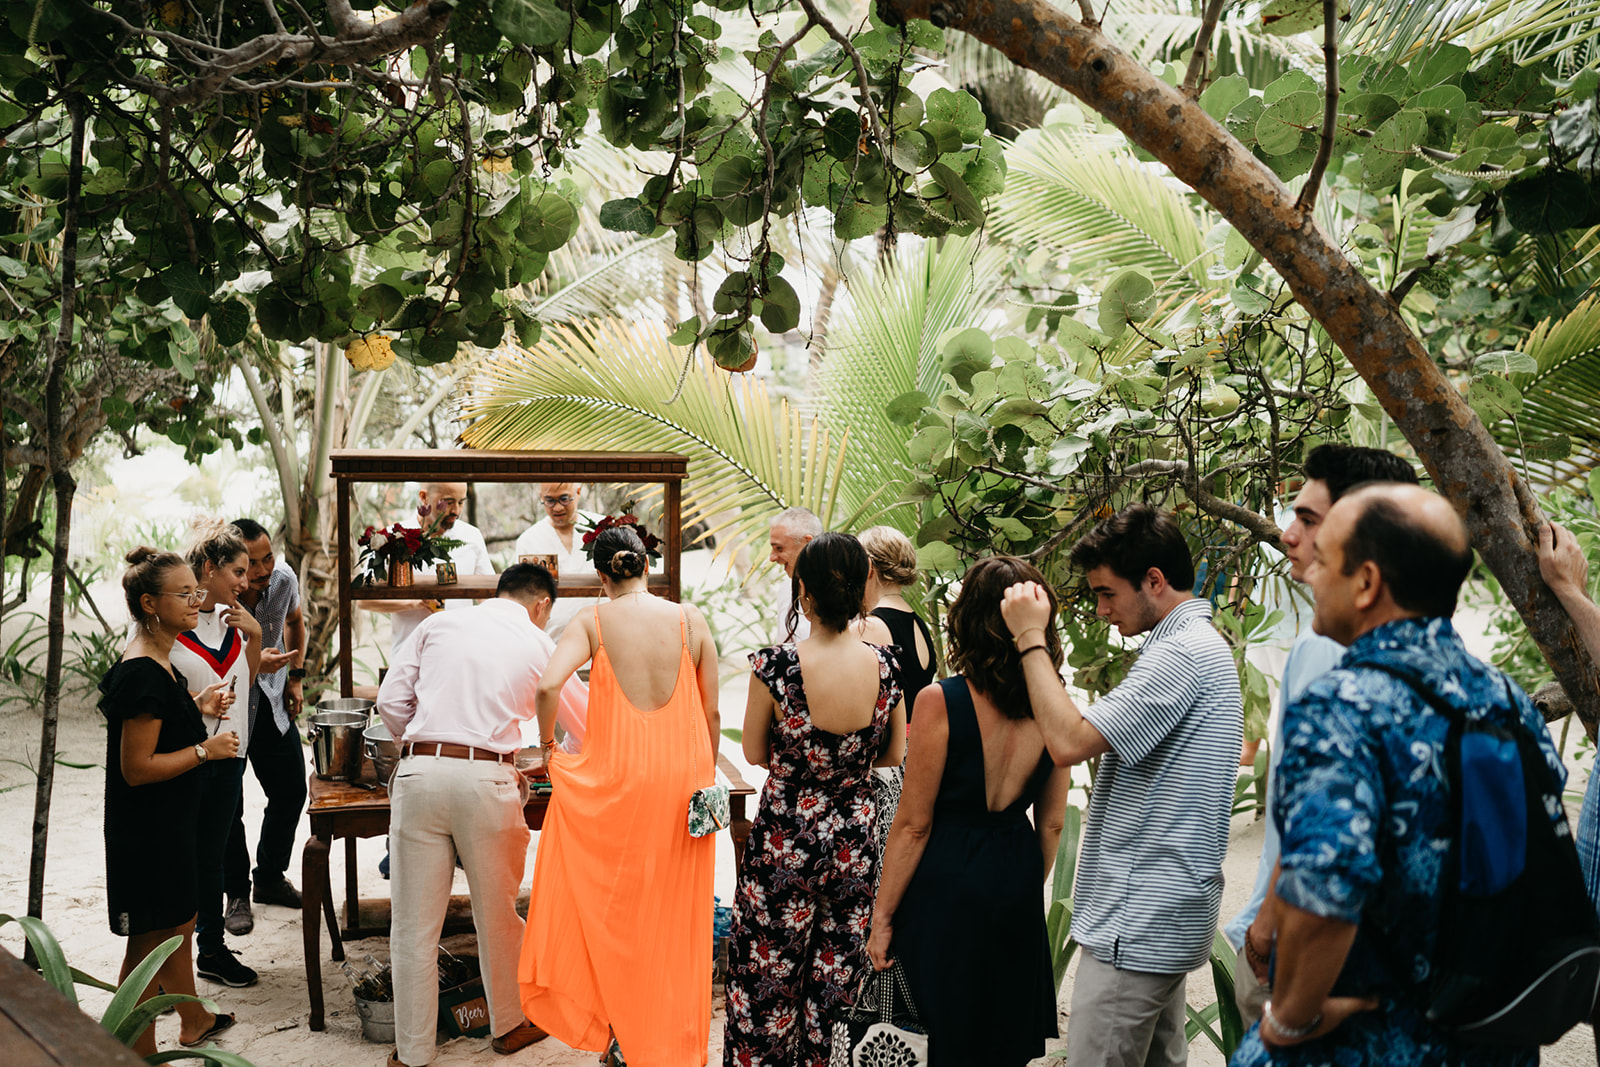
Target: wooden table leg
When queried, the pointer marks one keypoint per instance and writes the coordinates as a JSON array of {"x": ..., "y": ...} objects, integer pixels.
[
  {"x": 313, "y": 888},
  {"x": 352, "y": 897}
]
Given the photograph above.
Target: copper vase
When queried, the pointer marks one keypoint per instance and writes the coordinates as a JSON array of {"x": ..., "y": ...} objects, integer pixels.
[{"x": 400, "y": 575}]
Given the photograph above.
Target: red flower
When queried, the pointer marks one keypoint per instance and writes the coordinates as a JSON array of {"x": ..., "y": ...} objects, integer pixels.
[{"x": 413, "y": 539}]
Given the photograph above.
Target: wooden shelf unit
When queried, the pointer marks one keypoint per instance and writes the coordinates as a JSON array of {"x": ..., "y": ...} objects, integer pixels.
[{"x": 472, "y": 465}]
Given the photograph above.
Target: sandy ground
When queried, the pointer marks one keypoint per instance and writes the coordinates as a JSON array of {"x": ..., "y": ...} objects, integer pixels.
[{"x": 272, "y": 1029}]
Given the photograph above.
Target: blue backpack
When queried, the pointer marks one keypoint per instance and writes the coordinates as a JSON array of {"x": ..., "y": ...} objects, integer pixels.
[{"x": 1517, "y": 961}]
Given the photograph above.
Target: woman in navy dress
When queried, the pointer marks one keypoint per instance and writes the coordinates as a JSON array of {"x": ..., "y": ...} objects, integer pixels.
[{"x": 960, "y": 904}]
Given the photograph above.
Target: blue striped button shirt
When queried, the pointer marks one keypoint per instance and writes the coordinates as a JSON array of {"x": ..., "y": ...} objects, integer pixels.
[{"x": 1150, "y": 873}]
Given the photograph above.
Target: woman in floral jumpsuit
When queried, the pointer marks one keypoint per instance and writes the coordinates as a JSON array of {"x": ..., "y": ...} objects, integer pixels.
[{"x": 803, "y": 904}]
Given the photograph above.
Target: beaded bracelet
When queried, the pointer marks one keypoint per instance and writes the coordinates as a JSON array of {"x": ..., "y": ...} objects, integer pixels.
[{"x": 1292, "y": 1033}]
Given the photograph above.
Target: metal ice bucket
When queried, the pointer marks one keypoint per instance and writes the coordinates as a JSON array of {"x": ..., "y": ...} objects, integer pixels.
[
  {"x": 335, "y": 736},
  {"x": 380, "y": 747}
]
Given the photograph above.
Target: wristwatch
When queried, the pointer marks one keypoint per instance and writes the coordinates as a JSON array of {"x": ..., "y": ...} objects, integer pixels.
[
  {"x": 297, "y": 672},
  {"x": 200, "y": 751}
]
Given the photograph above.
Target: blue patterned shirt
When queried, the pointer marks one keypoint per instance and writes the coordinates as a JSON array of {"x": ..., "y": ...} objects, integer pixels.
[{"x": 1363, "y": 812}]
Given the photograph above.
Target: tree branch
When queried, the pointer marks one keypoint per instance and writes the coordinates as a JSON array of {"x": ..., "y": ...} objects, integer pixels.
[
  {"x": 1330, "y": 111},
  {"x": 356, "y": 43},
  {"x": 1202, "y": 50},
  {"x": 843, "y": 40}
]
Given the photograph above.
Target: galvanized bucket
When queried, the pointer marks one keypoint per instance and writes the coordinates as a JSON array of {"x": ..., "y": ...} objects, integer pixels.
[
  {"x": 380, "y": 747},
  {"x": 335, "y": 735}
]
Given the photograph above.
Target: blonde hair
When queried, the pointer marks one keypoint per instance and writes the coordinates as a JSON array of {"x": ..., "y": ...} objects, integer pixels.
[
  {"x": 892, "y": 554},
  {"x": 213, "y": 541}
]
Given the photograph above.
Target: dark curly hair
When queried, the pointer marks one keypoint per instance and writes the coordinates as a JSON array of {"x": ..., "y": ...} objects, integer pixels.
[
  {"x": 833, "y": 567},
  {"x": 619, "y": 554},
  {"x": 982, "y": 649}
]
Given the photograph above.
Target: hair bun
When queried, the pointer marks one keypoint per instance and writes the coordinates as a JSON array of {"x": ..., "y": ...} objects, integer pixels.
[{"x": 142, "y": 554}]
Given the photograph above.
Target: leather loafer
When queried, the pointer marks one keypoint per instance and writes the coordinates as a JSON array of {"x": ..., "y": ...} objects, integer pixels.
[
  {"x": 518, "y": 1039},
  {"x": 394, "y": 1059}
]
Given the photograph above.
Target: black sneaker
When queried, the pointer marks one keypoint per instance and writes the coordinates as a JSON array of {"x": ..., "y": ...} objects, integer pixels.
[
  {"x": 238, "y": 919},
  {"x": 225, "y": 967},
  {"x": 281, "y": 892}
]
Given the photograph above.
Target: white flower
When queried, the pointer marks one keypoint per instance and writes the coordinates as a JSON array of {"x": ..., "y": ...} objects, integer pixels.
[{"x": 378, "y": 541}]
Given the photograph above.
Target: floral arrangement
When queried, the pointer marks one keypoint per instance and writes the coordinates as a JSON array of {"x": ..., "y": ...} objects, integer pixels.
[
  {"x": 652, "y": 543},
  {"x": 419, "y": 546}
]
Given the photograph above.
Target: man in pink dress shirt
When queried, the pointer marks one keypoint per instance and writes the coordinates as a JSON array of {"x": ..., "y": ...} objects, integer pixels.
[{"x": 455, "y": 699}]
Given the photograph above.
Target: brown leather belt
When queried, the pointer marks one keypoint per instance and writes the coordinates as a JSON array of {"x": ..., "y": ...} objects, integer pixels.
[{"x": 450, "y": 751}]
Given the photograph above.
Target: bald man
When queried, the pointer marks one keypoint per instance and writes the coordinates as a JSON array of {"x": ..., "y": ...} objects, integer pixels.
[
  {"x": 1364, "y": 811},
  {"x": 444, "y": 499}
]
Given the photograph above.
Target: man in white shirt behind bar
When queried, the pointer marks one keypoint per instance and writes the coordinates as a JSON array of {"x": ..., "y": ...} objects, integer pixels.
[{"x": 455, "y": 699}]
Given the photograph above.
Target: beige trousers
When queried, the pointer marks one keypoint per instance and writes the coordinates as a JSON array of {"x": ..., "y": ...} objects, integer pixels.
[
  {"x": 442, "y": 808},
  {"x": 1125, "y": 1018}
]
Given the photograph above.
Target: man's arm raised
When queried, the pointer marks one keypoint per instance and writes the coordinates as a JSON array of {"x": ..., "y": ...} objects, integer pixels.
[{"x": 1067, "y": 734}]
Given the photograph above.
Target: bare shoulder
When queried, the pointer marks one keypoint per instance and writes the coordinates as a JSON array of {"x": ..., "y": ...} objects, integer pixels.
[
  {"x": 872, "y": 630},
  {"x": 930, "y": 711}
]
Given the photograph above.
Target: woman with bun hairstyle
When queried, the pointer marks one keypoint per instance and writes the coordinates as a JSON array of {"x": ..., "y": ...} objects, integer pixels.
[
  {"x": 223, "y": 647},
  {"x": 891, "y": 568},
  {"x": 155, "y": 740},
  {"x": 617, "y": 951},
  {"x": 961, "y": 901},
  {"x": 821, "y": 713}
]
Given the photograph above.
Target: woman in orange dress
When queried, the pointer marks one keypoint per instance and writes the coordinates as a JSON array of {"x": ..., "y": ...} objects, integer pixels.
[{"x": 617, "y": 951}]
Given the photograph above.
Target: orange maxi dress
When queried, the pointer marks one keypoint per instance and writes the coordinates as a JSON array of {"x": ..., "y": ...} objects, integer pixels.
[{"x": 619, "y": 918}]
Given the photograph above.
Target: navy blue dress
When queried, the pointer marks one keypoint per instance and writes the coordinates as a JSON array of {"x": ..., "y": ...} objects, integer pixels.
[{"x": 970, "y": 931}]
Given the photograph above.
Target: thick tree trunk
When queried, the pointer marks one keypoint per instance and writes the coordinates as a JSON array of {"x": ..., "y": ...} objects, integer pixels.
[
  {"x": 1464, "y": 461},
  {"x": 65, "y": 487}
]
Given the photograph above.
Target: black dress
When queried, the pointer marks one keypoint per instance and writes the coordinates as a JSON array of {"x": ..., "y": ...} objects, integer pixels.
[
  {"x": 150, "y": 829},
  {"x": 970, "y": 931},
  {"x": 903, "y": 627}
]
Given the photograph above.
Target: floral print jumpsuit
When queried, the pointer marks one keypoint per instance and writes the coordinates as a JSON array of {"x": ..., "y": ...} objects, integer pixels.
[{"x": 803, "y": 905}]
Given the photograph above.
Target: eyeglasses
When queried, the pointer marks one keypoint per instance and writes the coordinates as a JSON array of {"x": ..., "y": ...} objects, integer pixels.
[
  {"x": 196, "y": 597},
  {"x": 563, "y": 500}
]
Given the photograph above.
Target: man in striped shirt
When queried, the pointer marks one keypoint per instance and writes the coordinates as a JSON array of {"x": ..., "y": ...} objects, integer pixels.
[{"x": 1149, "y": 882}]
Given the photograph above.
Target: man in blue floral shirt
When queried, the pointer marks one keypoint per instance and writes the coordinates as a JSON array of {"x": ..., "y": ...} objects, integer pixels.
[{"x": 1364, "y": 807}]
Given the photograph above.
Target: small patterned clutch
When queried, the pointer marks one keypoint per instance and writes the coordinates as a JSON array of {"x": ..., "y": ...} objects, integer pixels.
[{"x": 708, "y": 810}]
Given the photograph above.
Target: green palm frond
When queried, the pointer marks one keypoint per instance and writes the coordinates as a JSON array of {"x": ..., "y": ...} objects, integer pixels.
[
  {"x": 1561, "y": 397},
  {"x": 1152, "y": 30},
  {"x": 884, "y": 343},
  {"x": 1102, "y": 208},
  {"x": 1529, "y": 29},
  {"x": 603, "y": 385}
]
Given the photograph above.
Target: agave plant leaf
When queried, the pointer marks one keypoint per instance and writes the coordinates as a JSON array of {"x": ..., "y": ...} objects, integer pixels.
[
  {"x": 136, "y": 1021},
  {"x": 1560, "y": 398},
  {"x": 211, "y": 1054},
  {"x": 126, "y": 999},
  {"x": 1096, "y": 204},
  {"x": 47, "y": 950},
  {"x": 606, "y": 385}
]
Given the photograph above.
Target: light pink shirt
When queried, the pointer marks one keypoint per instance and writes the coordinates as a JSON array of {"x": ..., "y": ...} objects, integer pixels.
[{"x": 468, "y": 677}]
